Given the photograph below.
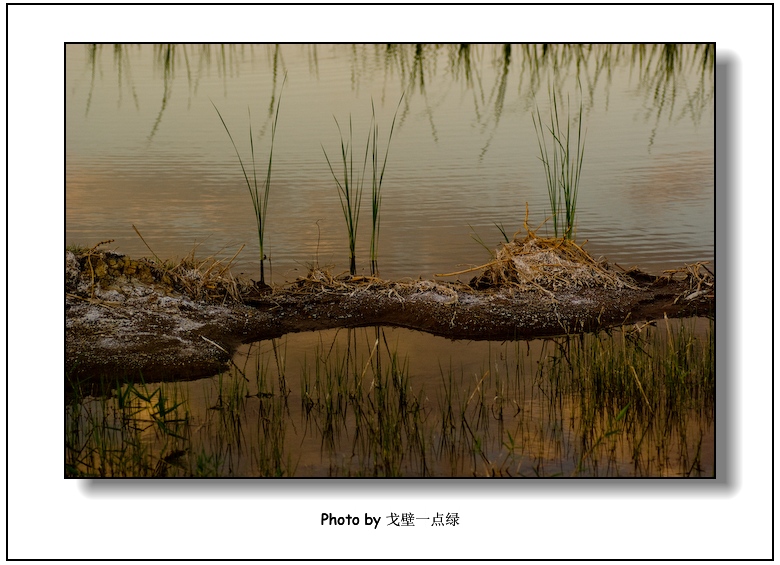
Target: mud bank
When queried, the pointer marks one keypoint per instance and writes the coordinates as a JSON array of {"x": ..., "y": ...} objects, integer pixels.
[{"x": 130, "y": 318}]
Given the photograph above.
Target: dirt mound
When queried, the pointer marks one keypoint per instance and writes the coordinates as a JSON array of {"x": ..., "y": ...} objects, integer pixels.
[{"x": 174, "y": 320}]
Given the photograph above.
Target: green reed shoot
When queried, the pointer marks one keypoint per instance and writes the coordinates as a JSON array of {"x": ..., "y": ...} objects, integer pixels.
[
  {"x": 350, "y": 189},
  {"x": 376, "y": 182},
  {"x": 350, "y": 185},
  {"x": 562, "y": 163},
  {"x": 259, "y": 196}
]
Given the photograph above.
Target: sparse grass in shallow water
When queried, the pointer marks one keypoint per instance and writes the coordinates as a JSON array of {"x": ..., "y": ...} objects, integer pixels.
[
  {"x": 350, "y": 190},
  {"x": 635, "y": 401}
]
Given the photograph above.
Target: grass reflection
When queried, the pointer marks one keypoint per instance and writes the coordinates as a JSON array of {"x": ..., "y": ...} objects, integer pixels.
[
  {"x": 636, "y": 401},
  {"x": 662, "y": 72}
]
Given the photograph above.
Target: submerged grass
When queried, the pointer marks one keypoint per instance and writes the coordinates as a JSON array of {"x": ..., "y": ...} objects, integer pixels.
[
  {"x": 137, "y": 430},
  {"x": 259, "y": 196}
]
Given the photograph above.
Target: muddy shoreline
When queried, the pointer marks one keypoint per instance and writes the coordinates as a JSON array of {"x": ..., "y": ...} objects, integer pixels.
[{"x": 127, "y": 318}]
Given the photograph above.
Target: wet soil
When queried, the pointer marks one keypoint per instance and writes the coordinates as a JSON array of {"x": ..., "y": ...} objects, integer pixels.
[{"x": 127, "y": 318}]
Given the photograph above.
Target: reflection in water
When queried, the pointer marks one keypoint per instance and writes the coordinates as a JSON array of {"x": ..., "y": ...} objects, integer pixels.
[
  {"x": 276, "y": 62},
  {"x": 376, "y": 402},
  {"x": 123, "y": 70},
  {"x": 662, "y": 79},
  {"x": 662, "y": 70},
  {"x": 166, "y": 59},
  {"x": 91, "y": 62}
]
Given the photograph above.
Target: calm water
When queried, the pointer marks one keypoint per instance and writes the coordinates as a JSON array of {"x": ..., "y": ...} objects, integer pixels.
[
  {"x": 374, "y": 401},
  {"x": 146, "y": 147}
]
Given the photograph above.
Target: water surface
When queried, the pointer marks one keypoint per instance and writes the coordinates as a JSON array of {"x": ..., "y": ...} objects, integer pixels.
[
  {"x": 145, "y": 147},
  {"x": 376, "y": 402}
]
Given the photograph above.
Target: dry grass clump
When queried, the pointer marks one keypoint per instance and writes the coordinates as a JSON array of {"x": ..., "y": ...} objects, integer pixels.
[
  {"x": 320, "y": 281},
  {"x": 545, "y": 264},
  {"x": 548, "y": 264},
  {"x": 206, "y": 279},
  {"x": 200, "y": 279},
  {"x": 701, "y": 281}
]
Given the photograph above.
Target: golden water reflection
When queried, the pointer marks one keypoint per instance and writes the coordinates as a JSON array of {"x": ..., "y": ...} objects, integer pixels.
[{"x": 636, "y": 402}]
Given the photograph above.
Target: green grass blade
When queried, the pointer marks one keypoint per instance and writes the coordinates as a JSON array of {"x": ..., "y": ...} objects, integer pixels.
[
  {"x": 259, "y": 203},
  {"x": 561, "y": 164},
  {"x": 246, "y": 177}
]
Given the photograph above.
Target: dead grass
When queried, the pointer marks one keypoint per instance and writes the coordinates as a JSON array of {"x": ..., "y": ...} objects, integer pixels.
[
  {"x": 319, "y": 280},
  {"x": 701, "y": 281},
  {"x": 200, "y": 279},
  {"x": 526, "y": 263},
  {"x": 208, "y": 279},
  {"x": 547, "y": 265}
]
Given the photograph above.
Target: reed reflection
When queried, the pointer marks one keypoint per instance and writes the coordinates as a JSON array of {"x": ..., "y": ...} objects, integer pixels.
[
  {"x": 660, "y": 70},
  {"x": 636, "y": 401}
]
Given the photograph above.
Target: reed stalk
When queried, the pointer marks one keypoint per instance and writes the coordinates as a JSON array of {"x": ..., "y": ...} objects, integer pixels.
[
  {"x": 562, "y": 163},
  {"x": 350, "y": 189},
  {"x": 350, "y": 184},
  {"x": 376, "y": 183},
  {"x": 258, "y": 193}
]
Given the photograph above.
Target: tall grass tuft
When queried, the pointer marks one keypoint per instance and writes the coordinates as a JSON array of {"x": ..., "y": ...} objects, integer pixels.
[
  {"x": 376, "y": 182},
  {"x": 259, "y": 195},
  {"x": 562, "y": 163},
  {"x": 351, "y": 181},
  {"x": 350, "y": 189}
]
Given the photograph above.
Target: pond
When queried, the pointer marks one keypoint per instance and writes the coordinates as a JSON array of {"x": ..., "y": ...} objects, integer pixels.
[{"x": 150, "y": 165}]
